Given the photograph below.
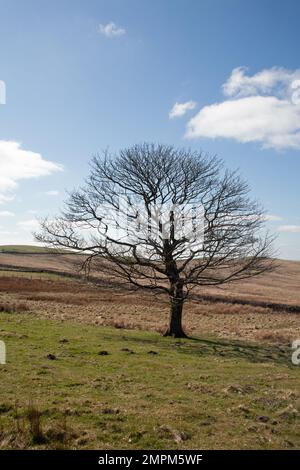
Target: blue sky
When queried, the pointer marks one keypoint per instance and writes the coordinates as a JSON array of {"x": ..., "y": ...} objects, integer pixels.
[{"x": 84, "y": 76}]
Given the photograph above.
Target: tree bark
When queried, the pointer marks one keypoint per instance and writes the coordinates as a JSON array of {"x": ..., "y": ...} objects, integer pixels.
[{"x": 175, "y": 328}]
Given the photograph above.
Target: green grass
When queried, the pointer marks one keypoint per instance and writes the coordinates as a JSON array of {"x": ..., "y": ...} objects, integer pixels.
[
  {"x": 191, "y": 394},
  {"x": 25, "y": 249}
]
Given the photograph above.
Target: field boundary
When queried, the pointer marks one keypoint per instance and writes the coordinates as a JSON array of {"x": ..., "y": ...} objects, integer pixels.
[
  {"x": 24, "y": 269},
  {"x": 254, "y": 303}
]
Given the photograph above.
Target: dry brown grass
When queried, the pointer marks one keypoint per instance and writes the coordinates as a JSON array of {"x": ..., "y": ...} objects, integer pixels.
[
  {"x": 29, "y": 429},
  {"x": 281, "y": 285},
  {"x": 74, "y": 300},
  {"x": 13, "y": 307}
]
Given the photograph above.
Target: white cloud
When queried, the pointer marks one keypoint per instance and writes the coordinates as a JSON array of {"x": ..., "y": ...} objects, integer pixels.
[
  {"x": 6, "y": 233},
  {"x": 262, "y": 108},
  {"x": 29, "y": 225},
  {"x": 21, "y": 237},
  {"x": 52, "y": 192},
  {"x": 20, "y": 234},
  {"x": 4, "y": 198},
  {"x": 289, "y": 228},
  {"x": 17, "y": 164},
  {"x": 278, "y": 78},
  {"x": 272, "y": 218},
  {"x": 6, "y": 214},
  {"x": 180, "y": 109},
  {"x": 111, "y": 30}
]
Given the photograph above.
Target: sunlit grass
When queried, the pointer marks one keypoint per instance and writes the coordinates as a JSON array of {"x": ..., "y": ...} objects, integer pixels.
[{"x": 96, "y": 387}]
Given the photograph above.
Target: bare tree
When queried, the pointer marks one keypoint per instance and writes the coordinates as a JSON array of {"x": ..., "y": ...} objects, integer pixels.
[{"x": 165, "y": 220}]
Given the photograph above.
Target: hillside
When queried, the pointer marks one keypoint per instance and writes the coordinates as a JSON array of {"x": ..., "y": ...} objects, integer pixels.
[
  {"x": 280, "y": 286},
  {"x": 28, "y": 249}
]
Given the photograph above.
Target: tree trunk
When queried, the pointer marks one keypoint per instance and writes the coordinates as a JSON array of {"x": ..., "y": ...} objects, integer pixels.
[{"x": 175, "y": 326}]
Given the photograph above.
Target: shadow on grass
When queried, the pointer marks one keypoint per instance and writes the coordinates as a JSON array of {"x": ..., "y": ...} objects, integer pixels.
[{"x": 252, "y": 352}]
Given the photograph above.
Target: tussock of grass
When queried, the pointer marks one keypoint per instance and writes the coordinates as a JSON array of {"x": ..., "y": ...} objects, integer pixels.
[{"x": 204, "y": 393}]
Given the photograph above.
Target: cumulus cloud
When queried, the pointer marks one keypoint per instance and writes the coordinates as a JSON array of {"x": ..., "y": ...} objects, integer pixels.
[
  {"x": 261, "y": 108},
  {"x": 289, "y": 228},
  {"x": 17, "y": 164},
  {"x": 111, "y": 30},
  {"x": 267, "y": 81},
  {"x": 180, "y": 109}
]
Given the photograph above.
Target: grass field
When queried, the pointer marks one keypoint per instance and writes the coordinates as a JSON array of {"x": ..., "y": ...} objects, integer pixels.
[
  {"x": 87, "y": 367},
  {"x": 67, "y": 385}
]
